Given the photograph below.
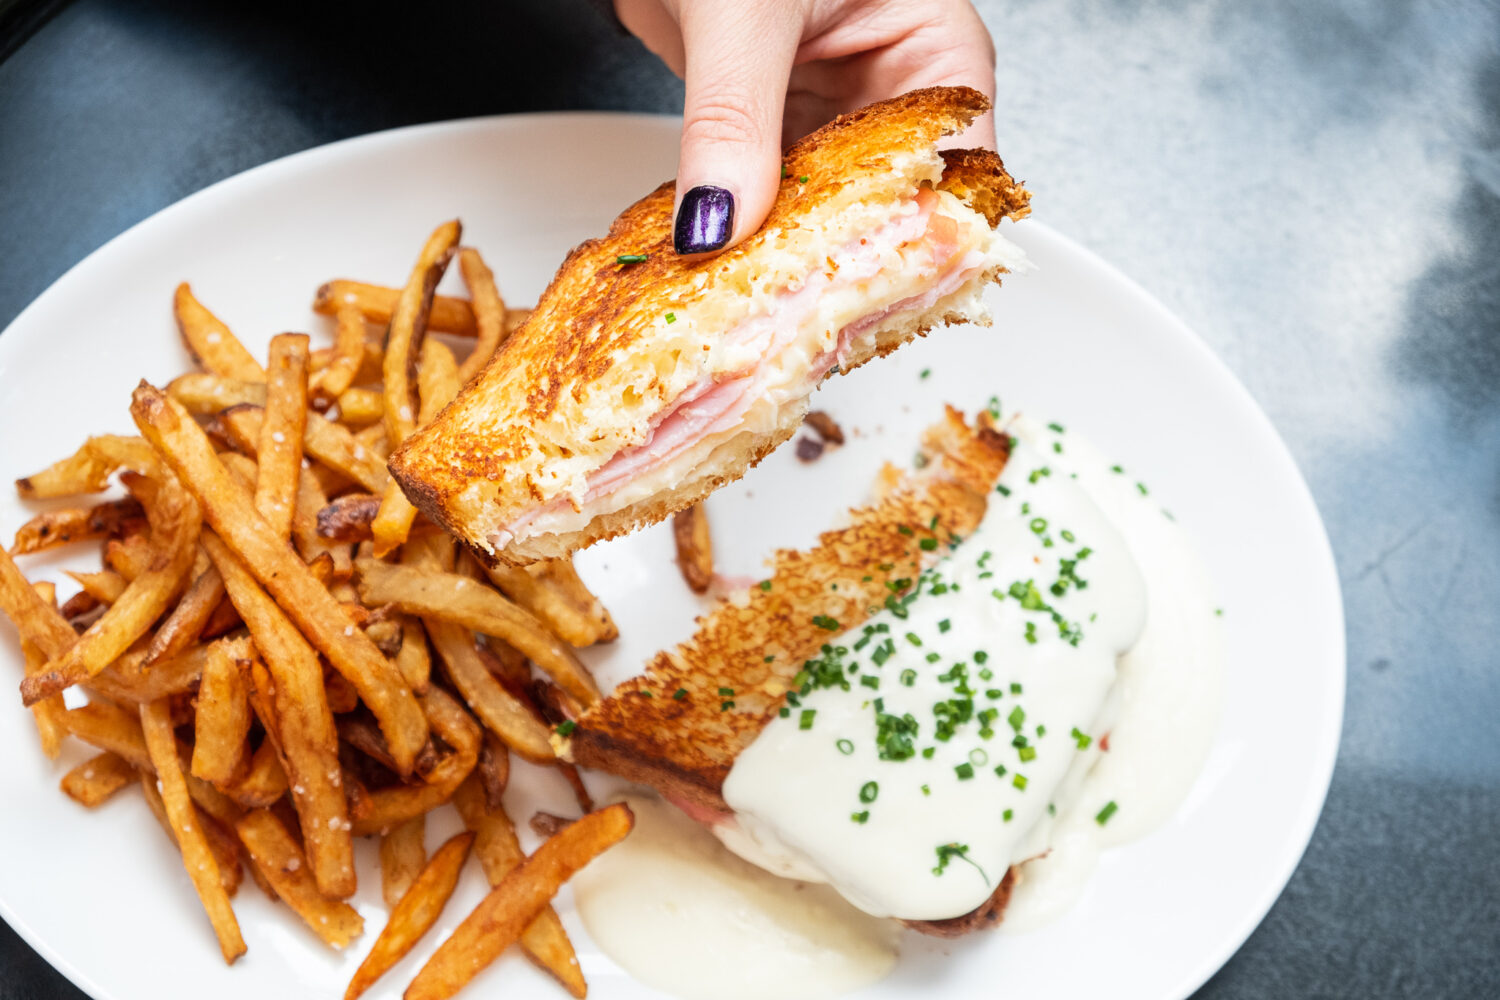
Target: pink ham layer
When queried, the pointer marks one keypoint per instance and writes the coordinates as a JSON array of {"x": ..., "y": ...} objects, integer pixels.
[{"x": 716, "y": 403}]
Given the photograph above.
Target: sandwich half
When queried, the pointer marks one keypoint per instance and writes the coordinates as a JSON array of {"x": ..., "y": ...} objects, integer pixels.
[
  {"x": 642, "y": 381},
  {"x": 902, "y": 710}
]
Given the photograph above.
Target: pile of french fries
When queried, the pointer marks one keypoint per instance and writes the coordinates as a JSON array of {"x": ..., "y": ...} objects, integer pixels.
[{"x": 256, "y": 654}]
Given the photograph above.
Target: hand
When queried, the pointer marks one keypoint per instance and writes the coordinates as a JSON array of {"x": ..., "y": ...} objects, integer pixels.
[{"x": 762, "y": 73}]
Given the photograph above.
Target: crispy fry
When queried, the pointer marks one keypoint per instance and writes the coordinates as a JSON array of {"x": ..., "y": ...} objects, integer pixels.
[
  {"x": 225, "y": 846},
  {"x": 322, "y": 440},
  {"x": 390, "y": 806},
  {"x": 452, "y": 598},
  {"x": 274, "y": 851},
  {"x": 97, "y": 778},
  {"x": 188, "y": 620},
  {"x": 545, "y": 824},
  {"x": 52, "y": 528},
  {"x": 413, "y": 658},
  {"x": 84, "y": 471},
  {"x": 310, "y": 500},
  {"x": 547, "y": 602},
  {"x": 493, "y": 769},
  {"x": 105, "y": 587},
  {"x": 561, "y": 576},
  {"x": 358, "y": 731},
  {"x": 506, "y": 663},
  {"x": 197, "y": 858},
  {"x": 507, "y": 716},
  {"x": 174, "y": 518},
  {"x": 348, "y": 351},
  {"x": 273, "y": 563},
  {"x": 282, "y": 428},
  {"x": 580, "y": 791},
  {"x": 209, "y": 341},
  {"x": 403, "y": 852},
  {"x": 221, "y": 726},
  {"x": 408, "y": 328},
  {"x": 393, "y": 520},
  {"x": 695, "y": 552},
  {"x": 499, "y": 920},
  {"x": 437, "y": 380},
  {"x": 204, "y": 394},
  {"x": 44, "y": 630},
  {"x": 302, "y": 723},
  {"x": 376, "y": 303},
  {"x": 76, "y": 607},
  {"x": 415, "y": 914},
  {"x": 544, "y": 940},
  {"x": 489, "y": 312},
  {"x": 129, "y": 556},
  {"x": 264, "y": 781},
  {"x": 361, "y": 407},
  {"x": 130, "y": 680}
]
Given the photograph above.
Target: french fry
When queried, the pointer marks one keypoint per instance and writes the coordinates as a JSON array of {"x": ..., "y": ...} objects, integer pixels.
[
  {"x": 695, "y": 553},
  {"x": 223, "y": 844},
  {"x": 361, "y": 407},
  {"x": 493, "y": 769},
  {"x": 544, "y": 940},
  {"x": 204, "y": 394},
  {"x": 437, "y": 380},
  {"x": 359, "y": 732},
  {"x": 501, "y": 917},
  {"x": 452, "y": 598},
  {"x": 389, "y": 806},
  {"x": 130, "y": 680},
  {"x": 413, "y": 658},
  {"x": 403, "y": 853},
  {"x": 515, "y": 317},
  {"x": 549, "y": 603},
  {"x": 281, "y": 431},
  {"x": 275, "y": 854},
  {"x": 84, "y": 471},
  {"x": 221, "y": 725},
  {"x": 187, "y": 621},
  {"x": 348, "y": 351},
  {"x": 506, "y": 715},
  {"x": 52, "y": 528},
  {"x": 97, "y": 778},
  {"x": 306, "y": 601},
  {"x": 42, "y": 628},
  {"x": 209, "y": 341},
  {"x": 129, "y": 556},
  {"x": 75, "y": 607},
  {"x": 489, "y": 312},
  {"x": 264, "y": 781},
  {"x": 408, "y": 328},
  {"x": 175, "y": 520},
  {"x": 197, "y": 857},
  {"x": 105, "y": 586},
  {"x": 415, "y": 913},
  {"x": 376, "y": 303},
  {"x": 580, "y": 791},
  {"x": 300, "y": 720},
  {"x": 322, "y": 440},
  {"x": 561, "y": 576}
]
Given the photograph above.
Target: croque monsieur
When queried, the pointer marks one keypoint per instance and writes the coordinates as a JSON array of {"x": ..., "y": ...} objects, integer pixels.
[
  {"x": 643, "y": 381},
  {"x": 900, "y": 711}
]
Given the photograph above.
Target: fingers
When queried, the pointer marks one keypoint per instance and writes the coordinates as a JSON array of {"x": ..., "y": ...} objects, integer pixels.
[{"x": 738, "y": 58}]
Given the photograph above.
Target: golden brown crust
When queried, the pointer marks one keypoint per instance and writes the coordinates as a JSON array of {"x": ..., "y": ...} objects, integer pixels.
[
  {"x": 685, "y": 745},
  {"x": 982, "y": 917},
  {"x": 527, "y": 410}
]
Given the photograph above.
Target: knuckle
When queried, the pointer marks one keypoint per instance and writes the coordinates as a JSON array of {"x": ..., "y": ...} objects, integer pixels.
[{"x": 723, "y": 117}]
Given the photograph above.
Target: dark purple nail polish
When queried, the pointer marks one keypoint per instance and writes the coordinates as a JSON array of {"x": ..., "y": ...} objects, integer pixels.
[{"x": 704, "y": 220}]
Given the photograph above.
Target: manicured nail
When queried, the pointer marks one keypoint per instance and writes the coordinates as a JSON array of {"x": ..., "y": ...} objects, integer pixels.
[{"x": 704, "y": 220}]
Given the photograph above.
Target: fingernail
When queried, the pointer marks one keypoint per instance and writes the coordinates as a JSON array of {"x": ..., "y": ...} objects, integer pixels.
[{"x": 704, "y": 220}]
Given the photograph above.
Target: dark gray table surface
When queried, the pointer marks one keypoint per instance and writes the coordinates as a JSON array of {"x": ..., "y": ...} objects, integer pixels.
[{"x": 1313, "y": 186}]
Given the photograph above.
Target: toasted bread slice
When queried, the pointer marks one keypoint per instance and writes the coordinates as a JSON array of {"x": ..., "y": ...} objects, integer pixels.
[
  {"x": 673, "y": 729},
  {"x": 644, "y": 381}
]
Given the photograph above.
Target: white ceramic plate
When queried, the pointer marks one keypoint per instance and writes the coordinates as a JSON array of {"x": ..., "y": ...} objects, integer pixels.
[{"x": 103, "y": 896}]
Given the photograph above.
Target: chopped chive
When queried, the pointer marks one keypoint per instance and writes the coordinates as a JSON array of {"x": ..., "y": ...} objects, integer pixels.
[
  {"x": 632, "y": 258},
  {"x": 928, "y": 544},
  {"x": 1104, "y": 814},
  {"x": 826, "y": 623},
  {"x": 868, "y": 792},
  {"x": 680, "y": 694},
  {"x": 944, "y": 625},
  {"x": 565, "y": 727},
  {"x": 806, "y": 719},
  {"x": 964, "y": 771},
  {"x": 765, "y": 585},
  {"x": 846, "y": 747},
  {"x": 860, "y": 817},
  {"x": 908, "y": 677},
  {"x": 1019, "y": 781},
  {"x": 671, "y": 317}
]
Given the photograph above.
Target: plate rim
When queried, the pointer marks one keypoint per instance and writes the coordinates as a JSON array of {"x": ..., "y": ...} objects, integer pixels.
[{"x": 1322, "y": 761}]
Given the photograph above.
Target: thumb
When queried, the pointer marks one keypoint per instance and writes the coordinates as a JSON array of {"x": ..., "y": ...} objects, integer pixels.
[{"x": 738, "y": 60}]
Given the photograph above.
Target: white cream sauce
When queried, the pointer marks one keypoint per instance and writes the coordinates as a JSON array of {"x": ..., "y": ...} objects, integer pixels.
[
  {"x": 683, "y": 915},
  {"x": 929, "y": 835},
  {"x": 1166, "y": 702}
]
